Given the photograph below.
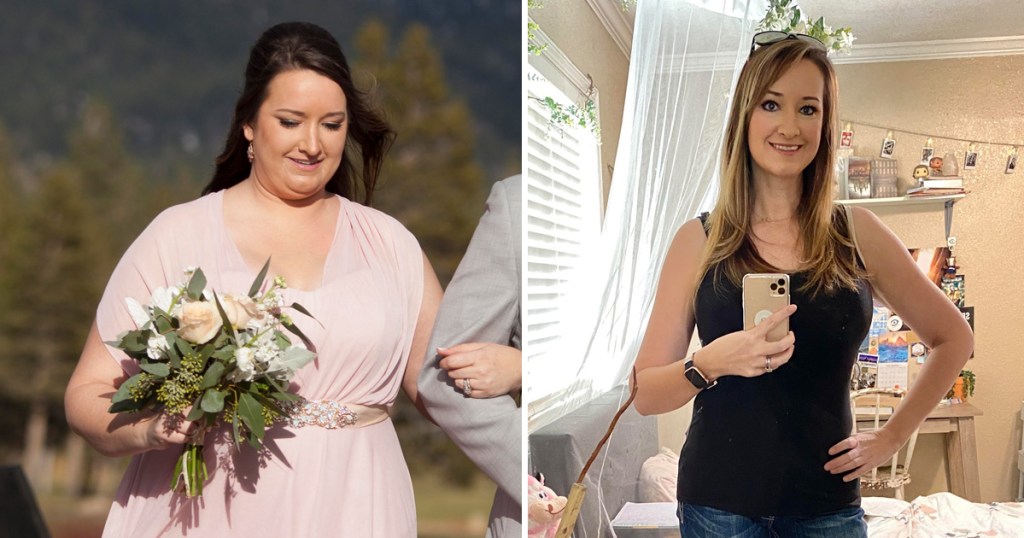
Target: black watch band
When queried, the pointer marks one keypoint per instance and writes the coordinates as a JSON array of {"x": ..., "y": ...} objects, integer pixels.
[{"x": 695, "y": 376}]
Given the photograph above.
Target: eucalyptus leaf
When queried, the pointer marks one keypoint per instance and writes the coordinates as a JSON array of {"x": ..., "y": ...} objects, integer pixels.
[
  {"x": 292, "y": 328},
  {"x": 224, "y": 316},
  {"x": 224, "y": 354},
  {"x": 213, "y": 401},
  {"x": 184, "y": 347},
  {"x": 123, "y": 392},
  {"x": 213, "y": 375},
  {"x": 196, "y": 285},
  {"x": 295, "y": 358},
  {"x": 159, "y": 369},
  {"x": 277, "y": 387},
  {"x": 162, "y": 324},
  {"x": 197, "y": 411},
  {"x": 285, "y": 396},
  {"x": 128, "y": 405},
  {"x": 235, "y": 431},
  {"x": 258, "y": 283},
  {"x": 302, "y": 309},
  {"x": 269, "y": 403},
  {"x": 133, "y": 342},
  {"x": 252, "y": 414}
]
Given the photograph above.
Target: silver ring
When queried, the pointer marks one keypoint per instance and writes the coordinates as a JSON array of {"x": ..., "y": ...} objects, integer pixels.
[
  {"x": 466, "y": 387},
  {"x": 767, "y": 363}
]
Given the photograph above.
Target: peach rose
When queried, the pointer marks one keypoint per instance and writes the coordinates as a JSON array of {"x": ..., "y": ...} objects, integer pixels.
[
  {"x": 200, "y": 321},
  {"x": 239, "y": 310}
]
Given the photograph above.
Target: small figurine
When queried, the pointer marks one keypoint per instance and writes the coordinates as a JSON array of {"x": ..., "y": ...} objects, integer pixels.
[
  {"x": 948, "y": 166},
  {"x": 935, "y": 163},
  {"x": 920, "y": 172}
]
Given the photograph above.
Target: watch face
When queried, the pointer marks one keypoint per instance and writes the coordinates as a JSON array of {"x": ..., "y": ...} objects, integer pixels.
[{"x": 694, "y": 376}]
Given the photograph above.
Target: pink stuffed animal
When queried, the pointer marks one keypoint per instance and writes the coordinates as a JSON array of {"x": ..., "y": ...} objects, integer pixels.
[{"x": 544, "y": 508}]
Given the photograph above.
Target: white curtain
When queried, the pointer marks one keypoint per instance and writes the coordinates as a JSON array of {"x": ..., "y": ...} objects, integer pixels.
[{"x": 686, "y": 56}]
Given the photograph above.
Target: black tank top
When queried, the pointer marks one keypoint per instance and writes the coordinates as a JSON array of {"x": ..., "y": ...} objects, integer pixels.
[{"x": 758, "y": 446}]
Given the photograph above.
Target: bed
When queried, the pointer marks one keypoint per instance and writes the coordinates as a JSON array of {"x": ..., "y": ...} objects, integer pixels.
[{"x": 942, "y": 515}]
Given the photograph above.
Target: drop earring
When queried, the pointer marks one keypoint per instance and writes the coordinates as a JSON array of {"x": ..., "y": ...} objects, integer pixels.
[{"x": 249, "y": 153}]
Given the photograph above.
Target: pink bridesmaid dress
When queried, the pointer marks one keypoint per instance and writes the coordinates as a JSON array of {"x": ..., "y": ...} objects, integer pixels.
[{"x": 309, "y": 480}]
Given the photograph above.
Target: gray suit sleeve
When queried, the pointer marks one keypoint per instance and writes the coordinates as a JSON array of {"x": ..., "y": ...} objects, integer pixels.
[{"x": 482, "y": 304}]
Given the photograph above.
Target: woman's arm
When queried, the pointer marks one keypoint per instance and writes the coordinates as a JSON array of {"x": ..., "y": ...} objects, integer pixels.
[
  {"x": 424, "y": 326},
  {"x": 933, "y": 317},
  {"x": 661, "y": 384},
  {"x": 493, "y": 369},
  {"x": 87, "y": 398}
]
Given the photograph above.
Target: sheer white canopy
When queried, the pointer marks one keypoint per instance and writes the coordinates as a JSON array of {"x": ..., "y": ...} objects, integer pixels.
[{"x": 686, "y": 56}]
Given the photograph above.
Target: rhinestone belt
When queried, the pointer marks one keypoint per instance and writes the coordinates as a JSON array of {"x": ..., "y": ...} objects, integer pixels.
[{"x": 330, "y": 414}]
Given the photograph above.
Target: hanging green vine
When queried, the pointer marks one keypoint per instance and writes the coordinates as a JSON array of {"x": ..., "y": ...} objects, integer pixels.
[
  {"x": 584, "y": 116},
  {"x": 531, "y": 27}
]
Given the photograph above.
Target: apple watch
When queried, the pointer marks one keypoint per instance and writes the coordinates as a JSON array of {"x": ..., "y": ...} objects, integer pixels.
[{"x": 695, "y": 376}]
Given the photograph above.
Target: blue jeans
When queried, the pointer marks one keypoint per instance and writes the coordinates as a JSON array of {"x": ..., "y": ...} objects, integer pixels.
[{"x": 704, "y": 522}]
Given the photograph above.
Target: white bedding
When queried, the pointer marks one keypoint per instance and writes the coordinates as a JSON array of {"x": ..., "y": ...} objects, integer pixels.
[{"x": 942, "y": 515}]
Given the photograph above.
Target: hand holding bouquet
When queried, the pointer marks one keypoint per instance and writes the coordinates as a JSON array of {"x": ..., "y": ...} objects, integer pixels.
[{"x": 221, "y": 357}]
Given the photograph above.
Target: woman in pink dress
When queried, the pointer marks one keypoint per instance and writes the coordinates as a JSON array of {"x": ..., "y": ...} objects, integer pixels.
[{"x": 284, "y": 189}]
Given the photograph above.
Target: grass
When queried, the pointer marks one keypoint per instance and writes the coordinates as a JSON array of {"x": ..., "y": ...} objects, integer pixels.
[{"x": 447, "y": 511}]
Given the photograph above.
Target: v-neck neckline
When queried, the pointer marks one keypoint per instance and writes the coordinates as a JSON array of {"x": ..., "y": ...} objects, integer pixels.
[{"x": 240, "y": 259}]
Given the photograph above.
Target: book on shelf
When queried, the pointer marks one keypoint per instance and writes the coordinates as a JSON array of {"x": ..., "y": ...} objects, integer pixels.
[
  {"x": 948, "y": 182},
  {"x": 921, "y": 191}
]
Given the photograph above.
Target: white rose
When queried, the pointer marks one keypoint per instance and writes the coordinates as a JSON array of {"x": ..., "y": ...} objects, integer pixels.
[
  {"x": 156, "y": 347},
  {"x": 200, "y": 322},
  {"x": 239, "y": 310},
  {"x": 245, "y": 366}
]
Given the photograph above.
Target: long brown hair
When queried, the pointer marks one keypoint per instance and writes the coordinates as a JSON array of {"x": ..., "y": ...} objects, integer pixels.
[
  {"x": 302, "y": 45},
  {"x": 830, "y": 254}
]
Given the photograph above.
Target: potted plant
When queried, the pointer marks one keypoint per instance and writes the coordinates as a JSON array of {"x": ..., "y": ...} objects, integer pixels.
[{"x": 963, "y": 387}]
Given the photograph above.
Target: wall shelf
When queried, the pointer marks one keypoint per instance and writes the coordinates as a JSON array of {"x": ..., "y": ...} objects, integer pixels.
[
  {"x": 902, "y": 201},
  {"x": 906, "y": 201}
]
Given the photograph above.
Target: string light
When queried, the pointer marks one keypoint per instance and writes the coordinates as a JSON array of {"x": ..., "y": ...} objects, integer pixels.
[{"x": 930, "y": 135}]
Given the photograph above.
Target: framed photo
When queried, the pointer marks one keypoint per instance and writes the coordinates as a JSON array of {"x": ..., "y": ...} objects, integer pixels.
[
  {"x": 926, "y": 154},
  {"x": 888, "y": 148},
  {"x": 932, "y": 262},
  {"x": 970, "y": 160},
  {"x": 955, "y": 289},
  {"x": 1011, "y": 163},
  {"x": 846, "y": 139}
]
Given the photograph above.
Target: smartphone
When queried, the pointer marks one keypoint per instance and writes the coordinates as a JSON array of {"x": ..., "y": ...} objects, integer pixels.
[{"x": 763, "y": 294}]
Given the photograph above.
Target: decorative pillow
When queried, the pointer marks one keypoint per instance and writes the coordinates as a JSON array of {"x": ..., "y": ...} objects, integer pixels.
[{"x": 658, "y": 477}]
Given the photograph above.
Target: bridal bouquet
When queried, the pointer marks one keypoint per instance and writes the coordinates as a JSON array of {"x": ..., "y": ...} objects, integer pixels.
[{"x": 216, "y": 357}]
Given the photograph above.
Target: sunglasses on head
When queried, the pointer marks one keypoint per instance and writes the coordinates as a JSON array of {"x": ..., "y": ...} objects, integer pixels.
[{"x": 763, "y": 39}]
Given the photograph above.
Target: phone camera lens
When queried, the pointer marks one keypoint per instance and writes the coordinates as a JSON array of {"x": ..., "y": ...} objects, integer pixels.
[
  {"x": 782, "y": 291},
  {"x": 773, "y": 286},
  {"x": 782, "y": 282}
]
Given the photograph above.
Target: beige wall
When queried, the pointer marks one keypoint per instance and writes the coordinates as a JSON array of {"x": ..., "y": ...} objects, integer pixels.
[
  {"x": 973, "y": 99},
  {"x": 979, "y": 99},
  {"x": 578, "y": 33},
  {"x": 967, "y": 98}
]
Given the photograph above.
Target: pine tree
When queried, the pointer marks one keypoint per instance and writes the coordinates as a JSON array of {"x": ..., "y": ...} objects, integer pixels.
[
  {"x": 53, "y": 288},
  {"x": 432, "y": 182},
  {"x": 113, "y": 182}
]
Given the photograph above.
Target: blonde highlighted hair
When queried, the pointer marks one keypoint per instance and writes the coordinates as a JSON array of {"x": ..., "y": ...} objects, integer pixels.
[{"x": 829, "y": 253}]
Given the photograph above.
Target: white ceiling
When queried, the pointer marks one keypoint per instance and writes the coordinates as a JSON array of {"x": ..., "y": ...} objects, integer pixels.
[
  {"x": 895, "y": 21},
  {"x": 891, "y": 30}
]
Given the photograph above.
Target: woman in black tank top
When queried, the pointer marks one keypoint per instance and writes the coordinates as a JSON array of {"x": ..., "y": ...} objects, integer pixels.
[{"x": 769, "y": 450}]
